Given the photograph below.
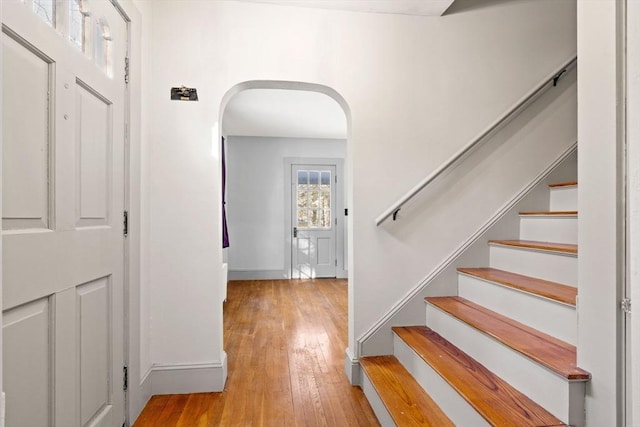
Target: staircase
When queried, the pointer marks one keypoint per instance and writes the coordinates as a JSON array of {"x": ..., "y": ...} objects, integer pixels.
[{"x": 502, "y": 352}]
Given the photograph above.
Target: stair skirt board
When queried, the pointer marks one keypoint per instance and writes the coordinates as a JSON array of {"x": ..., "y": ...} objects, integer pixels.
[
  {"x": 549, "y": 228},
  {"x": 562, "y": 398},
  {"x": 452, "y": 403},
  {"x": 563, "y": 198},
  {"x": 553, "y": 266},
  {"x": 376, "y": 403},
  {"x": 559, "y": 320}
]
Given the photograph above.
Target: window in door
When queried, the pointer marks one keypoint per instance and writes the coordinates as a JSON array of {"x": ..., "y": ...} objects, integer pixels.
[
  {"x": 78, "y": 16},
  {"x": 313, "y": 194},
  {"x": 46, "y": 9}
]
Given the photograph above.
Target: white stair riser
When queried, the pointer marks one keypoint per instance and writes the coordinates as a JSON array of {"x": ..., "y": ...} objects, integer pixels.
[
  {"x": 376, "y": 403},
  {"x": 549, "y": 229},
  {"x": 551, "y": 317},
  {"x": 556, "y": 267},
  {"x": 454, "y": 405},
  {"x": 563, "y": 198},
  {"x": 537, "y": 382}
]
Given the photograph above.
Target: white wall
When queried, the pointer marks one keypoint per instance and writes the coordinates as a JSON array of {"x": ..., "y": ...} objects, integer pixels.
[
  {"x": 418, "y": 89},
  {"x": 600, "y": 236},
  {"x": 255, "y": 200}
]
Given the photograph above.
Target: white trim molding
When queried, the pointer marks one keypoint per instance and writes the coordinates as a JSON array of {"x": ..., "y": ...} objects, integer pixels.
[
  {"x": 257, "y": 275},
  {"x": 352, "y": 368},
  {"x": 188, "y": 377},
  {"x": 140, "y": 396}
]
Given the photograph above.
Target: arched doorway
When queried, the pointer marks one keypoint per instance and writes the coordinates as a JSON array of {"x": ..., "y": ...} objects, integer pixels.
[{"x": 337, "y": 99}]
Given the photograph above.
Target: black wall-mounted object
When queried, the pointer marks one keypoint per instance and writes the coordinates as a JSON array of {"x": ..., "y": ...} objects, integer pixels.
[{"x": 184, "y": 94}]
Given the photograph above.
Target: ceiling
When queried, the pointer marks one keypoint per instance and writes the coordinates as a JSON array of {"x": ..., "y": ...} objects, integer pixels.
[
  {"x": 402, "y": 7},
  {"x": 284, "y": 113}
]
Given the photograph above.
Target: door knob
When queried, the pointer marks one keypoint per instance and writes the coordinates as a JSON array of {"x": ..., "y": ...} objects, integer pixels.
[{"x": 295, "y": 231}]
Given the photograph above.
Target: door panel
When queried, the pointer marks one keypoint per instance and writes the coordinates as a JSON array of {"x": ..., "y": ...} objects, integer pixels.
[
  {"x": 94, "y": 146},
  {"x": 26, "y": 85},
  {"x": 324, "y": 252},
  {"x": 27, "y": 328},
  {"x": 313, "y": 252},
  {"x": 93, "y": 304},
  {"x": 63, "y": 247}
]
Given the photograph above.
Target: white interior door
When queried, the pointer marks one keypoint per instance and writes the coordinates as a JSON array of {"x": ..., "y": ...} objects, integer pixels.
[
  {"x": 313, "y": 201},
  {"x": 62, "y": 188}
]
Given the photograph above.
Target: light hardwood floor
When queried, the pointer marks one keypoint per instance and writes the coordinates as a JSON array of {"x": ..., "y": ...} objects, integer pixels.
[{"x": 285, "y": 342}]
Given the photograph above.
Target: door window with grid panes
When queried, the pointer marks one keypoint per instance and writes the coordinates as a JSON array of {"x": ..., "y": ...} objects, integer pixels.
[{"x": 313, "y": 194}]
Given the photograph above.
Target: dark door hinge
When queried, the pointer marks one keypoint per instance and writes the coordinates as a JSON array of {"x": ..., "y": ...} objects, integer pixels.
[
  {"x": 125, "y": 377},
  {"x": 126, "y": 223},
  {"x": 126, "y": 70}
]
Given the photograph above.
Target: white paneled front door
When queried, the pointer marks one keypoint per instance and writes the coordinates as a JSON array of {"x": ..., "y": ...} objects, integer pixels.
[
  {"x": 313, "y": 201},
  {"x": 62, "y": 187}
]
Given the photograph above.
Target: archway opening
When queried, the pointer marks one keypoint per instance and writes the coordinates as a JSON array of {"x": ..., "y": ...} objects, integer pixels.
[{"x": 280, "y": 193}]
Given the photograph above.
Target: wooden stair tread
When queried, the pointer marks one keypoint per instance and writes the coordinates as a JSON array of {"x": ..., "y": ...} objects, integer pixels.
[
  {"x": 407, "y": 402},
  {"x": 544, "y": 246},
  {"x": 550, "y": 213},
  {"x": 544, "y": 288},
  {"x": 548, "y": 351},
  {"x": 495, "y": 400},
  {"x": 564, "y": 184}
]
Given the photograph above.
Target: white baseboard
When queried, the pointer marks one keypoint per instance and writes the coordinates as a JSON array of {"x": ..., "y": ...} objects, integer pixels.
[
  {"x": 3, "y": 399},
  {"x": 257, "y": 275},
  {"x": 270, "y": 275},
  {"x": 140, "y": 398},
  {"x": 352, "y": 368},
  {"x": 188, "y": 378}
]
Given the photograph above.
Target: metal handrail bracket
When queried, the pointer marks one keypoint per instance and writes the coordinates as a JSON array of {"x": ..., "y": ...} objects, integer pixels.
[{"x": 550, "y": 81}]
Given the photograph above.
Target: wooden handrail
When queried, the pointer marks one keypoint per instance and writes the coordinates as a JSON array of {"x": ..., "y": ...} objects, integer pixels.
[{"x": 550, "y": 81}]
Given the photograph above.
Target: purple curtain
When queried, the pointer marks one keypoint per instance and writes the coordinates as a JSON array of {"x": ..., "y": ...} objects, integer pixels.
[{"x": 225, "y": 232}]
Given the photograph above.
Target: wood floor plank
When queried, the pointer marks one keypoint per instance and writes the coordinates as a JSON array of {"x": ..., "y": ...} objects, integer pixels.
[
  {"x": 495, "y": 400},
  {"x": 554, "y": 354},
  {"x": 285, "y": 342},
  {"x": 407, "y": 402},
  {"x": 542, "y": 246},
  {"x": 544, "y": 288}
]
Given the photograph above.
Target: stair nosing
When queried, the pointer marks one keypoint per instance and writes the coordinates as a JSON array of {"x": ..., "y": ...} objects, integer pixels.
[
  {"x": 520, "y": 288},
  {"x": 563, "y": 184},
  {"x": 561, "y": 214},
  {"x": 453, "y": 382},
  {"x": 550, "y": 247},
  {"x": 573, "y": 374},
  {"x": 365, "y": 361}
]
